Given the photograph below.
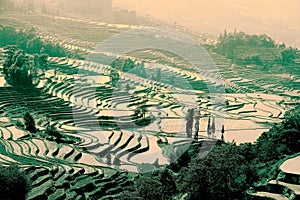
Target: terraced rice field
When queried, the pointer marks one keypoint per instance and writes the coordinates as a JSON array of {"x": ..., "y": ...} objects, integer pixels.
[
  {"x": 286, "y": 185},
  {"x": 76, "y": 96}
]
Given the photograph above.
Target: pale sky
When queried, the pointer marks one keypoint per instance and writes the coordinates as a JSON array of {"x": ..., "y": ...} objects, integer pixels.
[{"x": 278, "y": 18}]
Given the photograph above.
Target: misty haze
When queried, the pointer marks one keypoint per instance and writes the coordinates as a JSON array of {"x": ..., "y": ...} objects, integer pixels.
[{"x": 153, "y": 100}]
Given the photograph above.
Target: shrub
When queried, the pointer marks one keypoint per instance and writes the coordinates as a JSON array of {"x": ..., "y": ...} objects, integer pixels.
[
  {"x": 51, "y": 131},
  {"x": 14, "y": 184},
  {"x": 29, "y": 123},
  {"x": 29, "y": 41},
  {"x": 157, "y": 185}
]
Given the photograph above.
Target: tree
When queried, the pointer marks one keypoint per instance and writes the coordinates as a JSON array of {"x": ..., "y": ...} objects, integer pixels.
[
  {"x": 213, "y": 126},
  {"x": 29, "y": 123},
  {"x": 280, "y": 140},
  {"x": 14, "y": 183},
  {"x": 140, "y": 70},
  {"x": 229, "y": 44},
  {"x": 10, "y": 52},
  {"x": 127, "y": 87},
  {"x": 222, "y": 131},
  {"x": 288, "y": 56},
  {"x": 189, "y": 122},
  {"x": 157, "y": 185},
  {"x": 128, "y": 65},
  {"x": 149, "y": 188},
  {"x": 18, "y": 69},
  {"x": 168, "y": 183},
  {"x": 158, "y": 75},
  {"x": 143, "y": 70},
  {"x": 29, "y": 41},
  {"x": 219, "y": 175},
  {"x": 117, "y": 161},
  {"x": 41, "y": 61},
  {"x": 51, "y": 131},
  {"x": 108, "y": 159},
  {"x": 208, "y": 128},
  {"x": 172, "y": 80},
  {"x": 114, "y": 75},
  {"x": 143, "y": 111},
  {"x": 34, "y": 45},
  {"x": 225, "y": 33},
  {"x": 197, "y": 125},
  {"x": 137, "y": 113}
]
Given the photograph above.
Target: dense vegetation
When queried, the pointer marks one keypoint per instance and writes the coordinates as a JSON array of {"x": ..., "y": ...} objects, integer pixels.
[
  {"x": 14, "y": 184},
  {"x": 29, "y": 41},
  {"x": 127, "y": 64},
  {"x": 227, "y": 171},
  {"x": 242, "y": 48},
  {"x": 20, "y": 68},
  {"x": 17, "y": 68}
]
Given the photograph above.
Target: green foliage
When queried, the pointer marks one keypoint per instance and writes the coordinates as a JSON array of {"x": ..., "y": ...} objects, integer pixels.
[
  {"x": 254, "y": 49},
  {"x": 117, "y": 64},
  {"x": 149, "y": 188},
  {"x": 228, "y": 170},
  {"x": 14, "y": 185},
  {"x": 254, "y": 59},
  {"x": 167, "y": 179},
  {"x": 21, "y": 69},
  {"x": 228, "y": 43},
  {"x": 288, "y": 56},
  {"x": 29, "y": 123},
  {"x": 127, "y": 87},
  {"x": 117, "y": 161},
  {"x": 281, "y": 139},
  {"x": 139, "y": 70},
  {"x": 53, "y": 133},
  {"x": 123, "y": 64},
  {"x": 18, "y": 68},
  {"x": 159, "y": 185},
  {"x": 29, "y": 41},
  {"x": 158, "y": 75},
  {"x": 41, "y": 61},
  {"x": 189, "y": 122},
  {"x": 115, "y": 77},
  {"x": 129, "y": 65},
  {"x": 222, "y": 174}
]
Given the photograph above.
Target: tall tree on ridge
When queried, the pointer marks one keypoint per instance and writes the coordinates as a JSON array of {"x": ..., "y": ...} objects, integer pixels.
[
  {"x": 213, "y": 127},
  {"x": 189, "y": 122},
  {"x": 208, "y": 128},
  {"x": 223, "y": 131}
]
